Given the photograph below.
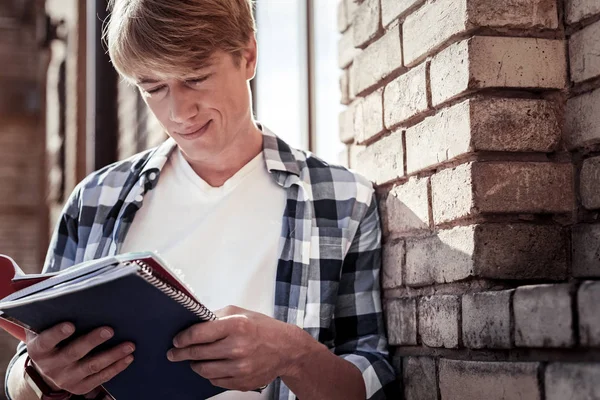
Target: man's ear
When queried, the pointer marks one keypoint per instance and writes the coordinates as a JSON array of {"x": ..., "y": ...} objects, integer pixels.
[{"x": 250, "y": 56}]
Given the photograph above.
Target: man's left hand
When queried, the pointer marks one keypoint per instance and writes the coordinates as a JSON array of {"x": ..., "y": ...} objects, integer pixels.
[{"x": 242, "y": 350}]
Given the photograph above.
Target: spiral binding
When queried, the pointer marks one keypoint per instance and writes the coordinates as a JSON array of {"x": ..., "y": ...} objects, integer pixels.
[{"x": 150, "y": 276}]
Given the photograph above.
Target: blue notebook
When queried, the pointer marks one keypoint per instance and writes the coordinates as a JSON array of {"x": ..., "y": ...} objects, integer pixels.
[{"x": 141, "y": 300}]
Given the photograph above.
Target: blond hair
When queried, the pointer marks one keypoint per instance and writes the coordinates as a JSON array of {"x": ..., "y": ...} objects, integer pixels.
[{"x": 175, "y": 37}]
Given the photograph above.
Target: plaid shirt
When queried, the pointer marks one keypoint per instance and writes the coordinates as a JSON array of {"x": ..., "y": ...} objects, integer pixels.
[{"x": 329, "y": 264}]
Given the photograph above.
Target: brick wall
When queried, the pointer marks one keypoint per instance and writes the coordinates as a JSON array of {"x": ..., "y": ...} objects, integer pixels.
[
  {"x": 22, "y": 143},
  {"x": 479, "y": 122}
]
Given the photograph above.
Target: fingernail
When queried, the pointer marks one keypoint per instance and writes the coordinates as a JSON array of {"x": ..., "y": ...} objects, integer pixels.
[
  {"x": 67, "y": 329},
  {"x": 129, "y": 360},
  {"x": 170, "y": 355},
  {"x": 105, "y": 334},
  {"x": 175, "y": 342},
  {"x": 128, "y": 349}
]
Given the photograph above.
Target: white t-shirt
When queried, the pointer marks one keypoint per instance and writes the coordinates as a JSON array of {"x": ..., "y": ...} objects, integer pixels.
[{"x": 223, "y": 240}]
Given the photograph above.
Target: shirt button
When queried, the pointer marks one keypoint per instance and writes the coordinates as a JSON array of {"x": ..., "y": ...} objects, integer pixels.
[{"x": 139, "y": 198}]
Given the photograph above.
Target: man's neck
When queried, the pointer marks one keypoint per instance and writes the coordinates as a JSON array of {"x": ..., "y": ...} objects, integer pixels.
[{"x": 217, "y": 170}]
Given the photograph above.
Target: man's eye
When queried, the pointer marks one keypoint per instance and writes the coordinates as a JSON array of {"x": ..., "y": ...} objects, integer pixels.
[
  {"x": 155, "y": 90},
  {"x": 198, "y": 80}
]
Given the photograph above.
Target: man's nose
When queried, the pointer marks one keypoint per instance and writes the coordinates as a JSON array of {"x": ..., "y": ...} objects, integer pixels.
[{"x": 182, "y": 107}]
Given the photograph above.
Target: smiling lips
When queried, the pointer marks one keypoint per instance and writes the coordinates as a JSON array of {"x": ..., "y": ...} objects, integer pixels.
[{"x": 195, "y": 133}]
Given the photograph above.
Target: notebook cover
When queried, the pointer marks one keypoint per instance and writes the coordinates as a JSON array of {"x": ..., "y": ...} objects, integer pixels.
[{"x": 138, "y": 312}]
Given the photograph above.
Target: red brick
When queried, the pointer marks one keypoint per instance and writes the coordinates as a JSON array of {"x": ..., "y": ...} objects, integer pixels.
[
  {"x": 585, "y": 241},
  {"x": 393, "y": 260},
  {"x": 382, "y": 161},
  {"x": 588, "y": 299},
  {"x": 543, "y": 316},
  {"x": 406, "y": 96},
  {"x": 420, "y": 378},
  {"x": 406, "y": 208},
  {"x": 438, "y": 321},
  {"x": 393, "y": 9},
  {"x": 346, "y": 51},
  {"x": 495, "y": 124},
  {"x": 495, "y": 251},
  {"x": 584, "y": 48},
  {"x": 378, "y": 61},
  {"x": 589, "y": 183},
  {"x": 497, "y": 62},
  {"x": 401, "y": 317},
  {"x": 447, "y": 18},
  {"x": 582, "y": 125},
  {"x": 501, "y": 187},
  {"x": 366, "y": 22},
  {"x": 573, "y": 381},
  {"x": 476, "y": 380},
  {"x": 578, "y": 10},
  {"x": 368, "y": 119}
]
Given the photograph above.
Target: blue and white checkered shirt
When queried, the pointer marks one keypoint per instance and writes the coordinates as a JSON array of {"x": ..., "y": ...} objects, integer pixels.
[{"x": 330, "y": 248}]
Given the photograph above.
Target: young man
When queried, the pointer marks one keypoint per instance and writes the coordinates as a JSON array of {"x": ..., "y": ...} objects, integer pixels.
[{"x": 291, "y": 241}]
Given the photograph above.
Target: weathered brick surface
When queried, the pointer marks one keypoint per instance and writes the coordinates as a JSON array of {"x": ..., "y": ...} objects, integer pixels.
[
  {"x": 420, "y": 381},
  {"x": 573, "y": 381},
  {"x": 366, "y": 22},
  {"x": 586, "y": 250},
  {"x": 584, "y": 48},
  {"x": 502, "y": 187},
  {"x": 406, "y": 96},
  {"x": 355, "y": 150},
  {"x": 590, "y": 182},
  {"x": 378, "y": 61},
  {"x": 368, "y": 120},
  {"x": 582, "y": 125},
  {"x": 496, "y": 251},
  {"x": 392, "y": 9},
  {"x": 516, "y": 125},
  {"x": 20, "y": 239},
  {"x": 452, "y": 193},
  {"x": 406, "y": 208},
  {"x": 472, "y": 380},
  {"x": 514, "y": 14},
  {"x": 507, "y": 62},
  {"x": 588, "y": 300},
  {"x": 445, "y": 257},
  {"x": 581, "y": 9},
  {"x": 439, "y": 138},
  {"x": 346, "y": 123},
  {"x": 486, "y": 319},
  {"x": 382, "y": 161},
  {"x": 543, "y": 316},
  {"x": 342, "y": 17},
  {"x": 495, "y": 124},
  {"x": 393, "y": 259},
  {"x": 438, "y": 321},
  {"x": 443, "y": 19},
  {"x": 346, "y": 51},
  {"x": 345, "y": 87},
  {"x": 20, "y": 174},
  {"x": 401, "y": 317}
]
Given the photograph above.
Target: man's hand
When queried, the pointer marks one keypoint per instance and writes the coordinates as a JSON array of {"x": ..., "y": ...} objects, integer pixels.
[
  {"x": 69, "y": 368},
  {"x": 242, "y": 350}
]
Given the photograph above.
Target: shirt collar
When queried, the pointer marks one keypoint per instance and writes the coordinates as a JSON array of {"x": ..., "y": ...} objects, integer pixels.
[{"x": 279, "y": 156}]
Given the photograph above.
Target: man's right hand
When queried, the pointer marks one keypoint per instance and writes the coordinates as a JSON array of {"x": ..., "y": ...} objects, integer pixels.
[{"x": 70, "y": 367}]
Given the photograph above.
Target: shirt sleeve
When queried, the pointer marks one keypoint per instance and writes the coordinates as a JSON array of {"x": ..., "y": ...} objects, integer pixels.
[
  {"x": 360, "y": 332},
  {"x": 61, "y": 254}
]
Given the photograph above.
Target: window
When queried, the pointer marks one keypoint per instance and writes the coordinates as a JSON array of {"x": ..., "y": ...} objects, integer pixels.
[{"x": 296, "y": 87}]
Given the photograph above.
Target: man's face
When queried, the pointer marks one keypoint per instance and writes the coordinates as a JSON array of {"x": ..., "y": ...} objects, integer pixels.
[{"x": 206, "y": 111}]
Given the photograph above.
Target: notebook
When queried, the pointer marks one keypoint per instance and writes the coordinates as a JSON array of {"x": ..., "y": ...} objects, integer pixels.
[{"x": 136, "y": 294}]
